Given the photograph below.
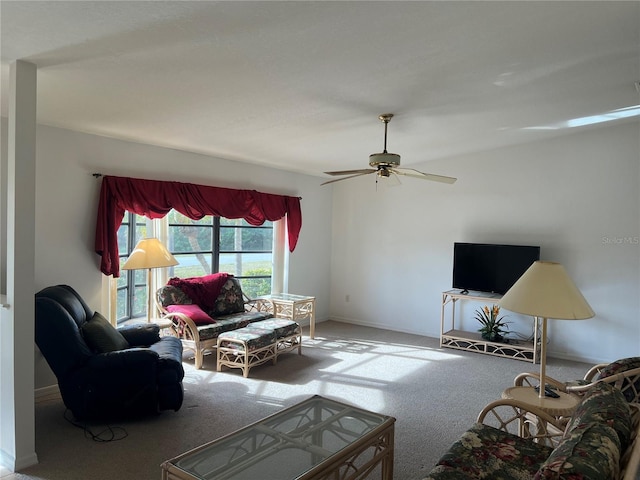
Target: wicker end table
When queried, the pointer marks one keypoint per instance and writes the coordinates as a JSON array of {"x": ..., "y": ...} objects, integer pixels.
[{"x": 294, "y": 307}]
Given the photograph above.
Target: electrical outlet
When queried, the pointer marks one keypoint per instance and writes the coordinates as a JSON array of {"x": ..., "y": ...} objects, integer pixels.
[{"x": 347, "y": 298}]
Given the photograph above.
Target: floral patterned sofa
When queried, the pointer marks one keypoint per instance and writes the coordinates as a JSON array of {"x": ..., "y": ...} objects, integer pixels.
[
  {"x": 599, "y": 441},
  {"x": 199, "y": 322}
]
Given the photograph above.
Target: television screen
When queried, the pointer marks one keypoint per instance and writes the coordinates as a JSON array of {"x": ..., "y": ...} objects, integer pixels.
[{"x": 489, "y": 267}]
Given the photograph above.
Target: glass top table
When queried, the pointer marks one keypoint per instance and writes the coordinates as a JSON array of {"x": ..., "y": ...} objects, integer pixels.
[
  {"x": 293, "y": 307},
  {"x": 318, "y": 438}
]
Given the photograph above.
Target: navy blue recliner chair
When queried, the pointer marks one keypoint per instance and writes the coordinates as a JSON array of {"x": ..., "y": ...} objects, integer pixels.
[{"x": 106, "y": 373}]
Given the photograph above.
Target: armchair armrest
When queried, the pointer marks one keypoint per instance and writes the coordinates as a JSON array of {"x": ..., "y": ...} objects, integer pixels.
[
  {"x": 141, "y": 334},
  {"x": 169, "y": 349},
  {"x": 183, "y": 327},
  {"x": 628, "y": 382},
  {"x": 257, "y": 305},
  {"x": 129, "y": 359},
  {"x": 593, "y": 371},
  {"x": 524, "y": 420}
]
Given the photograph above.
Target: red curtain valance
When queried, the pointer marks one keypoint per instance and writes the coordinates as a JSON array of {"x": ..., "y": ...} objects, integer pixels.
[{"x": 154, "y": 199}]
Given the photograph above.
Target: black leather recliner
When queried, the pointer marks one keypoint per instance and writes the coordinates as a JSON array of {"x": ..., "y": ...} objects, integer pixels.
[{"x": 142, "y": 378}]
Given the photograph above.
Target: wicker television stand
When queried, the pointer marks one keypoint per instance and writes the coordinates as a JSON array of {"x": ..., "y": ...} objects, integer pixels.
[{"x": 528, "y": 351}]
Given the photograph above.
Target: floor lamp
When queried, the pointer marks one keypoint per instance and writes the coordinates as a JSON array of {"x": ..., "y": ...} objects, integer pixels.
[
  {"x": 546, "y": 291},
  {"x": 149, "y": 253}
]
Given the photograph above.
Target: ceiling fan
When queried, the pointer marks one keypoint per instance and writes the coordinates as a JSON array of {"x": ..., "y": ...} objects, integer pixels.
[{"x": 386, "y": 164}]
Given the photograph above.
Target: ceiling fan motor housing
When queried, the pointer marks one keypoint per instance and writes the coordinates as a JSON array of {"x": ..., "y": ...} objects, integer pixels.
[{"x": 384, "y": 159}]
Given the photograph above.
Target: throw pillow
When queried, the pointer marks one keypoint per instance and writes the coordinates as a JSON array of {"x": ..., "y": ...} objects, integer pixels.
[
  {"x": 170, "y": 295},
  {"x": 101, "y": 336},
  {"x": 604, "y": 403},
  {"x": 229, "y": 299},
  {"x": 194, "y": 312},
  {"x": 589, "y": 451}
]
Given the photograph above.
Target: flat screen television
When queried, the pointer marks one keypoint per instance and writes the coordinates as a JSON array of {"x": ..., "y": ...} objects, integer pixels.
[{"x": 489, "y": 267}]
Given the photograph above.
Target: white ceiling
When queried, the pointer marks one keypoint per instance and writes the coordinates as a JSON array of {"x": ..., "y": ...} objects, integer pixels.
[{"x": 299, "y": 85}]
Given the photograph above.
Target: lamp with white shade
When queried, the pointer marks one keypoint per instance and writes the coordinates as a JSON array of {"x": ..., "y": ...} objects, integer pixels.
[
  {"x": 149, "y": 253},
  {"x": 546, "y": 291}
]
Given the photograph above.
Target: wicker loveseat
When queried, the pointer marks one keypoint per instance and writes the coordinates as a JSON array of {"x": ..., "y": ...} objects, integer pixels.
[
  {"x": 218, "y": 305},
  {"x": 511, "y": 441}
]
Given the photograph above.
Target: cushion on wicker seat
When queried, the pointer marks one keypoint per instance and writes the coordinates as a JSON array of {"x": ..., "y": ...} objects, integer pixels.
[
  {"x": 618, "y": 366},
  {"x": 230, "y": 322},
  {"x": 630, "y": 386},
  {"x": 281, "y": 326},
  {"x": 486, "y": 452},
  {"x": 254, "y": 338}
]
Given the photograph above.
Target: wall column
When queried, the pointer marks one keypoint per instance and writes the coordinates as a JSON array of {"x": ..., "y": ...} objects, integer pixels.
[{"x": 17, "y": 331}]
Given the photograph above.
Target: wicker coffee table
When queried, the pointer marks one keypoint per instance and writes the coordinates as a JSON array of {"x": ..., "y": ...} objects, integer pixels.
[{"x": 315, "y": 439}]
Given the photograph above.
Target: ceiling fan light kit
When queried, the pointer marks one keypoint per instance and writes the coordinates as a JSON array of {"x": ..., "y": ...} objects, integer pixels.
[
  {"x": 377, "y": 159},
  {"x": 385, "y": 164}
]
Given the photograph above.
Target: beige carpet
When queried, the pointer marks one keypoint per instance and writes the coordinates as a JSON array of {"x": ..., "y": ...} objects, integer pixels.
[{"x": 435, "y": 394}]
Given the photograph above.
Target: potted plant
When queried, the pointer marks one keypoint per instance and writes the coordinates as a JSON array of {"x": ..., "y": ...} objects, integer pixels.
[{"x": 493, "y": 326}]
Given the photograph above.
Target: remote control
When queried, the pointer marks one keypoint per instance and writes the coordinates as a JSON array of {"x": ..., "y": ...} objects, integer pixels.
[{"x": 548, "y": 391}]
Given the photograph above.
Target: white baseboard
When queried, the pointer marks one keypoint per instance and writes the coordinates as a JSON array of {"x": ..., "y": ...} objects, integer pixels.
[
  {"x": 45, "y": 392},
  {"x": 14, "y": 464},
  {"x": 550, "y": 353}
]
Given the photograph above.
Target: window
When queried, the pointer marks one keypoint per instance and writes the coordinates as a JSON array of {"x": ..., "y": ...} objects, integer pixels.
[
  {"x": 215, "y": 244},
  {"x": 131, "y": 296},
  {"x": 209, "y": 245}
]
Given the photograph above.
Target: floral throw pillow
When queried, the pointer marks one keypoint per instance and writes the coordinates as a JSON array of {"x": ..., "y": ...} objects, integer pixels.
[
  {"x": 170, "y": 295},
  {"x": 591, "y": 451},
  {"x": 230, "y": 299}
]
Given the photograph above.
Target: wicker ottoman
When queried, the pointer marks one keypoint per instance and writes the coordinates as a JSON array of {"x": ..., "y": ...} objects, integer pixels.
[
  {"x": 245, "y": 348},
  {"x": 258, "y": 343},
  {"x": 288, "y": 334}
]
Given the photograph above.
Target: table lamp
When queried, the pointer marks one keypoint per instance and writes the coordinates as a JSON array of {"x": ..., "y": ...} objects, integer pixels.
[
  {"x": 149, "y": 253},
  {"x": 545, "y": 291}
]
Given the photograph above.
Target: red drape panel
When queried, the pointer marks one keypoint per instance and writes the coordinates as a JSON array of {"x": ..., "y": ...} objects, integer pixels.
[{"x": 154, "y": 199}]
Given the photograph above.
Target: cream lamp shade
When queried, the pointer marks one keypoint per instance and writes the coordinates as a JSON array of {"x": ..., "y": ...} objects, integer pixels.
[
  {"x": 149, "y": 253},
  {"x": 545, "y": 290}
]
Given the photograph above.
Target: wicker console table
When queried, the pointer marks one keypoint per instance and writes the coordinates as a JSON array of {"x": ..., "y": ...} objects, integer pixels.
[{"x": 528, "y": 351}]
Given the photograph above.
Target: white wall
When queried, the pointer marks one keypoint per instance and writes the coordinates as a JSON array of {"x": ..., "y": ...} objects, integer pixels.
[
  {"x": 67, "y": 200},
  {"x": 576, "y": 196},
  {"x": 391, "y": 248}
]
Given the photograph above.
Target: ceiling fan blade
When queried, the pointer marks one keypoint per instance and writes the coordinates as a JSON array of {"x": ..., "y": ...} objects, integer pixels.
[
  {"x": 351, "y": 172},
  {"x": 364, "y": 172},
  {"x": 411, "y": 172}
]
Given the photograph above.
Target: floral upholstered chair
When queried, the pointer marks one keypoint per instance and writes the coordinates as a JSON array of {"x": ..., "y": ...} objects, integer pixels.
[{"x": 600, "y": 441}]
